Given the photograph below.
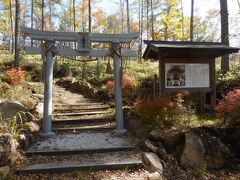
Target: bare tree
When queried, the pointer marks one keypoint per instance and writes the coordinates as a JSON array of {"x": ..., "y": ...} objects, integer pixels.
[
  {"x": 152, "y": 23},
  {"x": 141, "y": 31},
  {"x": 128, "y": 18},
  {"x": 32, "y": 8},
  {"x": 182, "y": 20},
  {"x": 83, "y": 20},
  {"x": 11, "y": 22},
  {"x": 74, "y": 16},
  {"x": 43, "y": 5},
  {"x": 17, "y": 19},
  {"x": 147, "y": 18},
  {"x": 89, "y": 16},
  {"x": 191, "y": 20},
  {"x": 224, "y": 34}
]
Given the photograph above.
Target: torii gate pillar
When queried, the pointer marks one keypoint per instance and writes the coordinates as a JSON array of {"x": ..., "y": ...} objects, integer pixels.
[
  {"x": 117, "y": 88},
  {"x": 47, "y": 111}
]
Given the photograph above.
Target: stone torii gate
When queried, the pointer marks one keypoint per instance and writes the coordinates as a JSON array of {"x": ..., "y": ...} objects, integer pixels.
[{"x": 83, "y": 41}]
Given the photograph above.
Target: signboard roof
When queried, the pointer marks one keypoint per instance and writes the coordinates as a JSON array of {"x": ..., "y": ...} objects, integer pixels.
[{"x": 173, "y": 49}]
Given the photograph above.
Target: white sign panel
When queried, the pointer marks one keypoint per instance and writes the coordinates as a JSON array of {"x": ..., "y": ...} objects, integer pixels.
[{"x": 186, "y": 75}]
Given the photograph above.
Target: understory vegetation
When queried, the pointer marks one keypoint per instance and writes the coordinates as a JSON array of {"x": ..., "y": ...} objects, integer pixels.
[{"x": 181, "y": 110}]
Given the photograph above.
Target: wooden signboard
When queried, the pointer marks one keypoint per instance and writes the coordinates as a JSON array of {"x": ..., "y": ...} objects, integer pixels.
[{"x": 187, "y": 66}]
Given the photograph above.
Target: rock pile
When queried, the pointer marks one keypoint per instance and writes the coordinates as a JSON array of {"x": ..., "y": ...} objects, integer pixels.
[{"x": 212, "y": 147}]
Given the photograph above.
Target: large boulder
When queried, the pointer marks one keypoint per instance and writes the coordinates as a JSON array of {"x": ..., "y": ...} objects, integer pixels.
[
  {"x": 202, "y": 146},
  {"x": 8, "y": 150},
  {"x": 235, "y": 137},
  {"x": 231, "y": 136},
  {"x": 10, "y": 109},
  {"x": 170, "y": 138},
  {"x": 152, "y": 162}
]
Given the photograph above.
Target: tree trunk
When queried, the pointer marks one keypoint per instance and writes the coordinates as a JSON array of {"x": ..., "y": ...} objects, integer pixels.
[
  {"x": 83, "y": 23},
  {"x": 191, "y": 21},
  {"x": 11, "y": 22},
  {"x": 128, "y": 18},
  {"x": 89, "y": 16},
  {"x": 24, "y": 21},
  {"x": 42, "y": 73},
  {"x": 43, "y": 4},
  {"x": 122, "y": 15},
  {"x": 32, "y": 6},
  {"x": 50, "y": 16},
  {"x": 139, "y": 27},
  {"x": 141, "y": 34},
  {"x": 74, "y": 16},
  {"x": 152, "y": 23},
  {"x": 17, "y": 19},
  {"x": 147, "y": 19},
  {"x": 224, "y": 34},
  {"x": 182, "y": 20}
]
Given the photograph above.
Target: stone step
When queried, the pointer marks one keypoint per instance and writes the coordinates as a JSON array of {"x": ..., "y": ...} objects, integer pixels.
[
  {"x": 78, "y": 151},
  {"x": 82, "y": 121},
  {"x": 99, "y": 127},
  {"x": 84, "y": 108},
  {"x": 68, "y": 95},
  {"x": 83, "y": 104},
  {"x": 77, "y": 100},
  {"x": 75, "y": 166},
  {"x": 80, "y": 113}
]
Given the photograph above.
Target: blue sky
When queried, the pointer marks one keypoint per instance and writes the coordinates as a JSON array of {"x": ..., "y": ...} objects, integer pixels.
[{"x": 202, "y": 6}]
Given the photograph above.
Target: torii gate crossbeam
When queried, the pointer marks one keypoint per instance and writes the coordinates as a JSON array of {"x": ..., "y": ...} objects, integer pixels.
[{"x": 84, "y": 41}]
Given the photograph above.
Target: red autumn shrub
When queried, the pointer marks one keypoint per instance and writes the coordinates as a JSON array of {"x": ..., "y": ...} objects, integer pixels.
[
  {"x": 15, "y": 76},
  {"x": 129, "y": 85},
  {"x": 172, "y": 109},
  {"x": 229, "y": 107},
  {"x": 154, "y": 111}
]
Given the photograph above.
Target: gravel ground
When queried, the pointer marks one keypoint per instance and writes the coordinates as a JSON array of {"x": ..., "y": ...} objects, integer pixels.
[
  {"x": 140, "y": 174},
  {"x": 101, "y": 124},
  {"x": 85, "y": 157},
  {"x": 85, "y": 140}
]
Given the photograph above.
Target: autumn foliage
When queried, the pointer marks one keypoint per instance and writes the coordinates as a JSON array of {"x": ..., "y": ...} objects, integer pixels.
[
  {"x": 229, "y": 107},
  {"x": 172, "y": 109},
  {"x": 15, "y": 76},
  {"x": 159, "y": 109},
  {"x": 129, "y": 85}
]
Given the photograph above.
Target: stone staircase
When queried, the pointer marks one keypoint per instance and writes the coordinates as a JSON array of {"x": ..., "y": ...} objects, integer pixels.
[{"x": 84, "y": 140}]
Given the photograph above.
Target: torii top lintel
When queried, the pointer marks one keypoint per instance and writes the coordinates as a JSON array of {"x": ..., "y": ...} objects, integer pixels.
[
  {"x": 72, "y": 36},
  {"x": 83, "y": 39}
]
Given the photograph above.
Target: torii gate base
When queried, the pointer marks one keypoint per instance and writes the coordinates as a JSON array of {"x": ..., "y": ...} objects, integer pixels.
[{"x": 83, "y": 40}]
